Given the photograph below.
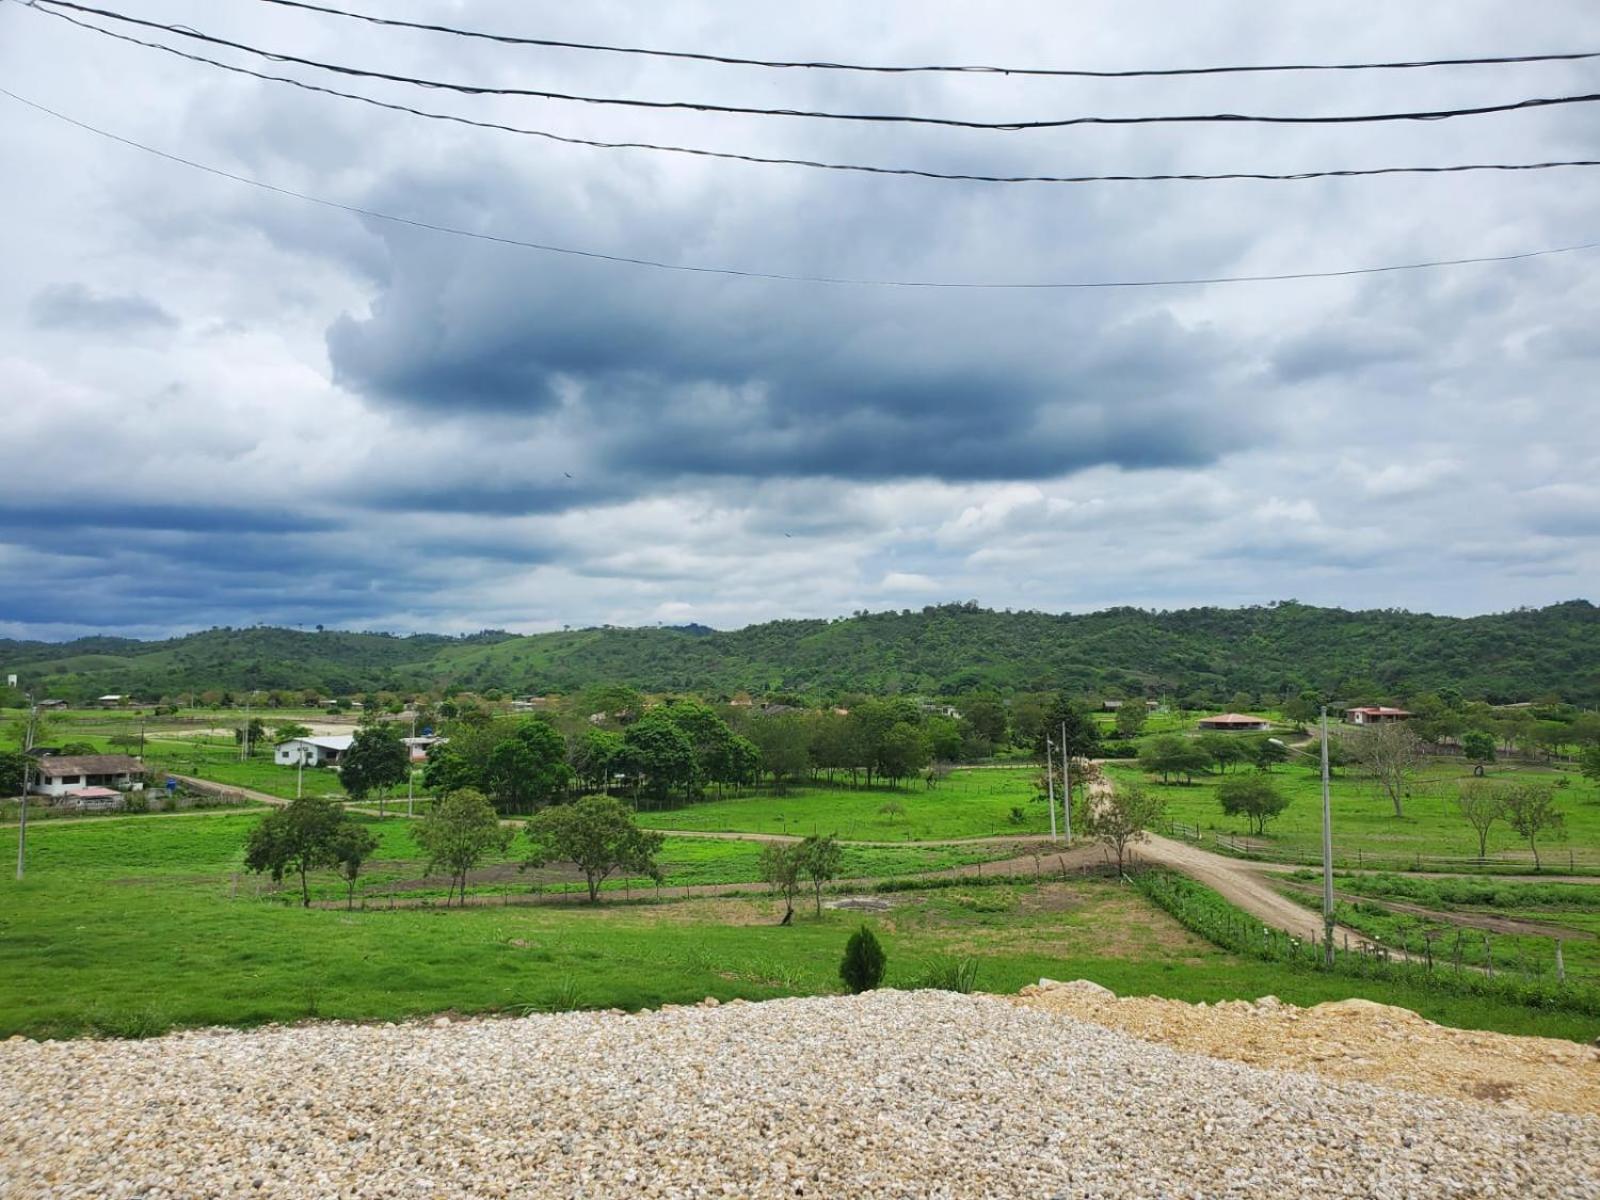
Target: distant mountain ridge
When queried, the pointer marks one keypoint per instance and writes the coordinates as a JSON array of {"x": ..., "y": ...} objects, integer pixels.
[{"x": 1270, "y": 650}]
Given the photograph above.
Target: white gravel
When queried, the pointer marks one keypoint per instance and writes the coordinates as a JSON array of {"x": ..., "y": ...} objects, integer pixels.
[{"x": 892, "y": 1094}]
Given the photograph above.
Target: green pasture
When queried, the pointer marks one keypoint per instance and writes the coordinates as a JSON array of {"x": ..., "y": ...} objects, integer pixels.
[
  {"x": 130, "y": 927},
  {"x": 1367, "y": 833},
  {"x": 976, "y": 802}
]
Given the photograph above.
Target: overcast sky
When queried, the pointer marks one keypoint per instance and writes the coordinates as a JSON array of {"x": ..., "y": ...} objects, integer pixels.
[{"x": 226, "y": 406}]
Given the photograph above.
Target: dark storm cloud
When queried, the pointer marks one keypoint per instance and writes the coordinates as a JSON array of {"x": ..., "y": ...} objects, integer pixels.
[
  {"x": 74, "y": 307},
  {"x": 660, "y": 377},
  {"x": 55, "y": 518}
]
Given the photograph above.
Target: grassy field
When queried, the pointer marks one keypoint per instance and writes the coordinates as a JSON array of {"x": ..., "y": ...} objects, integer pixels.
[
  {"x": 132, "y": 926},
  {"x": 977, "y": 802},
  {"x": 1570, "y": 911},
  {"x": 1366, "y": 831}
]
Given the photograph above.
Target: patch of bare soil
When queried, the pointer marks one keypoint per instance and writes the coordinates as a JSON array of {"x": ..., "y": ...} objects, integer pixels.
[{"x": 1349, "y": 1039}]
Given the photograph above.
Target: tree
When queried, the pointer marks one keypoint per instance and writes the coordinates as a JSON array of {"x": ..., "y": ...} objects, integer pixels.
[
  {"x": 289, "y": 731},
  {"x": 528, "y": 767},
  {"x": 256, "y": 731},
  {"x": 1082, "y": 737},
  {"x": 1267, "y": 753},
  {"x": 1131, "y": 718},
  {"x": 1478, "y": 747},
  {"x": 820, "y": 858},
  {"x": 298, "y": 837},
  {"x": 660, "y": 754},
  {"x": 1170, "y": 755},
  {"x": 1225, "y": 749},
  {"x": 1252, "y": 796},
  {"x": 376, "y": 761},
  {"x": 983, "y": 718},
  {"x": 457, "y": 833},
  {"x": 349, "y": 847},
  {"x": 864, "y": 961},
  {"x": 1530, "y": 810},
  {"x": 1389, "y": 752},
  {"x": 1482, "y": 806},
  {"x": 1119, "y": 818},
  {"x": 595, "y": 756},
  {"x": 599, "y": 835},
  {"x": 12, "y": 765},
  {"x": 892, "y": 809},
  {"x": 1589, "y": 762},
  {"x": 784, "y": 741},
  {"x": 781, "y": 866},
  {"x": 903, "y": 752}
]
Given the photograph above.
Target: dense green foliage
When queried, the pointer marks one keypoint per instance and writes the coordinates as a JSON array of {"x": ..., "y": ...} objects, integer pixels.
[
  {"x": 864, "y": 961},
  {"x": 1277, "y": 650}
]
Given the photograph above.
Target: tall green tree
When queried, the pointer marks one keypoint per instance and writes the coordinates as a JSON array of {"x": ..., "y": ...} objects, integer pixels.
[
  {"x": 527, "y": 768},
  {"x": 902, "y": 752},
  {"x": 785, "y": 744},
  {"x": 298, "y": 837},
  {"x": 661, "y": 756},
  {"x": 1478, "y": 748},
  {"x": 597, "y": 834},
  {"x": 376, "y": 761},
  {"x": 1067, "y": 719},
  {"x": 458, "y": 832}
]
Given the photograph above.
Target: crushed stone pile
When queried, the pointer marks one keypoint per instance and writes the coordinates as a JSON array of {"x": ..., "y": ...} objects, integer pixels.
[
  {"x": 891, "y": 1094},
  {"x": 1349, "y": 1039}
]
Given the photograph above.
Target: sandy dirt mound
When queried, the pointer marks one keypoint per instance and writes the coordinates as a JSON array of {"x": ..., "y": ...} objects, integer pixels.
[{"x": 1349, "y": 1039}]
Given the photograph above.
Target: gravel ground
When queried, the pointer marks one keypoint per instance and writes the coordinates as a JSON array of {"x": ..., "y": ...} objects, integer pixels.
[
  {"x": 1350, "y": 1039},
  {"x": 893, "y": 1094}
]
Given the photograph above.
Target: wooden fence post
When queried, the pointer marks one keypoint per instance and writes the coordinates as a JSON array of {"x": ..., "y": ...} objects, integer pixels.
[{"x": 1561, "y": 967}]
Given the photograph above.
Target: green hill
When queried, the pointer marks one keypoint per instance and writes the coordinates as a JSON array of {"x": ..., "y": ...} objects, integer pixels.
[{"x": 1270, "y": 650}]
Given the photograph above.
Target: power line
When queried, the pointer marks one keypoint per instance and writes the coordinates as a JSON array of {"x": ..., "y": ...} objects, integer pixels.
[
  {"x": 467, "y": 89},
  {"x": 731, "y": 60},
  {"x": 815, "y": 164},
  {"x": 657, "y": 264}
]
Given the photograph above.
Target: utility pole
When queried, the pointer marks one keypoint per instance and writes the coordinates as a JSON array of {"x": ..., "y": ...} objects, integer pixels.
[
  {"x": 411, "y": 772},
  {"x": 27, "y": 762},
  {"x": 1066, "y": 784},
  {"x": 1050, "y": 784},
  {"x": 1327, "y": 852},
  {"x": 300, "y": 773}
]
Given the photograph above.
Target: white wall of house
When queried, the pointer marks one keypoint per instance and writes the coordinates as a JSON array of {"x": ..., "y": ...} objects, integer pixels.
[{"x": 61, "y": 785}]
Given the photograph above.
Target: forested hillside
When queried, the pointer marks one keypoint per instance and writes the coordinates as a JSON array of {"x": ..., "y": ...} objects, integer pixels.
[{"x": 1272, "y": 650}]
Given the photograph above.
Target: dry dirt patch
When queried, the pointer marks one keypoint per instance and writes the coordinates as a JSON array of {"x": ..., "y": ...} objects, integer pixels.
[{"x": 1352, "y": 1040}]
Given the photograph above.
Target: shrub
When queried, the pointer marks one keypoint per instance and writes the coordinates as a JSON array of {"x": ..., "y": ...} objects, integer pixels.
[
  {"x": 949, "y": 974},
  {"x": 864, "y": 959},
  {"x": 1019, "y": 815},
  {"x": 1119, "y": 750}
]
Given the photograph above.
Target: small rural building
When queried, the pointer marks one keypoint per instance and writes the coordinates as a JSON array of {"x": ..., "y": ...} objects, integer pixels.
[
  {"x": 67, "y": 774},
  {"x": 1235, "y": 723},
  {"x": 51, "y": 705},
  {"x": 312, "y": 751},
  {"x": 94, "y": 799},
  {"x": 1375, "y": 714},
  {"x": 419, "y": 746},
  {"x": 115, "y": 700}
]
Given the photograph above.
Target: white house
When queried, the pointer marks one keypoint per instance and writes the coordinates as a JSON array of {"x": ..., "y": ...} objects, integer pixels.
[
  {"x": 418, "y": 747},
  {"x": 68, "y": 774},
  {"x": 312, "y": 751},
  {"x": 1375, "y": 714}
]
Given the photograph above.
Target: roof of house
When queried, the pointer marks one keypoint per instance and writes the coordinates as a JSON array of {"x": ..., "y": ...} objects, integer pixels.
[
  {"x": 1381, "y": 710},
  {"x": 89, "y": 764},
  {"x": 94, "y": 793},
  {"x": 338, "y": 741},
  {"x": 1233, "y": 719}
]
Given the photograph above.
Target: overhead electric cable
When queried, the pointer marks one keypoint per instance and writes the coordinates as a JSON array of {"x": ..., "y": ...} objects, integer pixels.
[
  {"x": 657, "y": 264},
  {"x": 50, "y": 7},
  {"x": 785, "y": 64},
  {"x": 864, "y": 168}
]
